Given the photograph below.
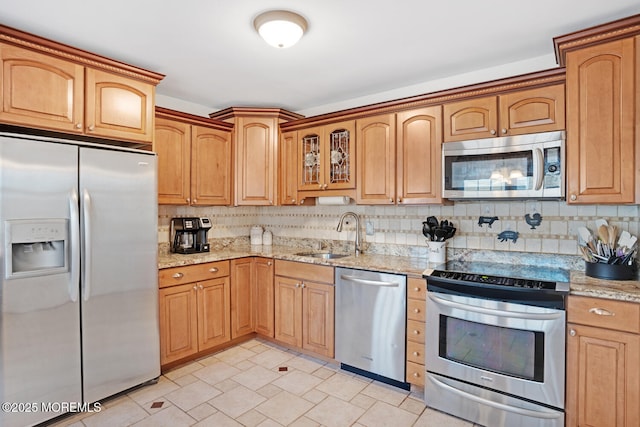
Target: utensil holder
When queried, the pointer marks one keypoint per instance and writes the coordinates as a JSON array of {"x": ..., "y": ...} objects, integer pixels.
[
  {"x": 437, "y": 252},
  {"x": 611, "y": 271}
]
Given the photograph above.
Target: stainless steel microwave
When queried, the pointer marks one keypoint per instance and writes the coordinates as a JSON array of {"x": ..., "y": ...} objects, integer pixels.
[{"x": 511, "y": 167}]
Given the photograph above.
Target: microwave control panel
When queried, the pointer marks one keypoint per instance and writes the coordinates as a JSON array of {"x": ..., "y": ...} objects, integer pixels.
[{"x": 552, "y": 168}]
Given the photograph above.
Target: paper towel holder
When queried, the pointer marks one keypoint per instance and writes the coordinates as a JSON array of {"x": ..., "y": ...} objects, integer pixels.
[{"x": 333, "y": 200}]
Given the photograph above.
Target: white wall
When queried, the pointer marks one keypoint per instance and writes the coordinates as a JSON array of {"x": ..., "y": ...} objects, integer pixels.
[{"x": 506, "y": 70}]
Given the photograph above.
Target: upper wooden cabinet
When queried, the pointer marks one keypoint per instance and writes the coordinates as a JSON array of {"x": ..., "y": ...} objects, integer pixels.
[
  {"x": 288, "y": 169},
  {"x": 256, "y": 137},
  {"x": 419, "y": 156},
  {"x": 117, "y": 107},
  {"x": 399, "y": 157},
  {"x": 376, "y": 165},
  {"x": 52, "y": 86},
  {"x": 526, "y": 111},
  {"x": 601, "y": 140},
  {"x": 194, "y": 159},
  {"x": 326, "y": 159}
]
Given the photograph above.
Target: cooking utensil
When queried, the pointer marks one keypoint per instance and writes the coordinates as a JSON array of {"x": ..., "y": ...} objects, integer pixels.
[
  {"x": 601, "y": 221},
  {"x": 587, "y": 237},
  {"x": 426, "y": 230}
]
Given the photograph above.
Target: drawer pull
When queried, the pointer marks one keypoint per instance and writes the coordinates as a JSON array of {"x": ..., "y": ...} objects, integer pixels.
[
  {"x": 416, "y": 375},
  {"x": 601, "y": 312},
  {"x": 416, "y": 332},
  {"x": 572, "y": 332},
  {"x": 416, "y": 289},
  {"x": 213, "y": 270},
  {"x": 415, "y": 353},
  {"x": 178, "y": 275},
  {"x": 416, "y": 310}
]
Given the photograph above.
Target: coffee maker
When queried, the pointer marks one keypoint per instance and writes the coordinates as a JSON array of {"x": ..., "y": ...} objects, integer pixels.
[{"x": 189, "y": 235}]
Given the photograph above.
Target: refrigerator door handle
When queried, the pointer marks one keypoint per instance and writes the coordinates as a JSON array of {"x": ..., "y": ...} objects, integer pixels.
[
  {"x": 86, "y": 215},
  {"x": 74, "y": 237}
]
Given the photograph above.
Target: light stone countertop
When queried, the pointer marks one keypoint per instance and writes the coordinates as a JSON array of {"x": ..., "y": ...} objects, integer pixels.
[{"x": 624, "y": 290}]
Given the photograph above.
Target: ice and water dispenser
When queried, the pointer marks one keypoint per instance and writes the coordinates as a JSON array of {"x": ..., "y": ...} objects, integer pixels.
[{"x": 36, "y": 247}]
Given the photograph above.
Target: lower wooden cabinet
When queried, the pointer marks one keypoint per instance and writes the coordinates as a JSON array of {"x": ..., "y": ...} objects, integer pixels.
[
  {"x": 242, "y": 322},
  {"x": 304, "y": 306},
  {"x": 263, "y": 302},
  {"x": 194, "y": 309},
  {"x": 603, "y": 363},
  {"x": 416, "y": 293},
  {"x": 252, "y": 296}
]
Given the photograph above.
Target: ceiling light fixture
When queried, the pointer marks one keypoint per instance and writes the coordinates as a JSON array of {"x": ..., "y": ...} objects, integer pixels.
[{"x": 280, "y": 28}]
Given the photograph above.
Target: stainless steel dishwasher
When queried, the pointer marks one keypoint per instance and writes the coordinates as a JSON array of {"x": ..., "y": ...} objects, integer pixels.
[{"x": 371, "y": 324}]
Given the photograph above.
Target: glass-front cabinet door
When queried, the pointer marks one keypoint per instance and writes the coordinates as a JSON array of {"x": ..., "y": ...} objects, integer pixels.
[
  {"x": 310, "y": 159},
  {"x": 327, "y": 157}
]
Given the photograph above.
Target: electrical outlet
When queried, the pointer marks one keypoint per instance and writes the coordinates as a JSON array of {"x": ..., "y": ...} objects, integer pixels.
[{"x": 369, "y": 228}]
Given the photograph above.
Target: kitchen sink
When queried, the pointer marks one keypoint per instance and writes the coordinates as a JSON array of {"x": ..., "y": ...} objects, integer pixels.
[{"x": 323, "y": 255}]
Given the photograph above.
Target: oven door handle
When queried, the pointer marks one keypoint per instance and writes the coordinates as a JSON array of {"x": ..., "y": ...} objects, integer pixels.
[
  {"x": 516, "y": 410},
  {"x": 360, "y": 281},
  {"x": 495, "y": 312}
]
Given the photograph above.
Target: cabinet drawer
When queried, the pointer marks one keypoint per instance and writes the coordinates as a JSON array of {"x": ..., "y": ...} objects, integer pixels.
[
  {"x": 604, "y": 313},
  {"x": 192, "y": 273},
  {"x": 415, "y": 373},
  {"x": 416, "y": 309},
  {"x": 415, "y": 331},
  {"x": 415, "y": 352},
  {"x": 416, "y": 288},
  {"x": 305, "y": 271}
]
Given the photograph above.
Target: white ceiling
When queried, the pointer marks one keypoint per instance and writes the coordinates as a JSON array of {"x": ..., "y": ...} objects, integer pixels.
[{"x": 354, "y": 52}]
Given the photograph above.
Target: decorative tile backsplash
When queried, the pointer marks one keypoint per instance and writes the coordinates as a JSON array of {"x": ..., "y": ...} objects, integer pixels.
[{"x": 398, "y": 229}]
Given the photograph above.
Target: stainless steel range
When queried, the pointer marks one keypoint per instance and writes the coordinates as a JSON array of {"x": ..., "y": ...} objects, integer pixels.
[{"x": 495, "y": 343}]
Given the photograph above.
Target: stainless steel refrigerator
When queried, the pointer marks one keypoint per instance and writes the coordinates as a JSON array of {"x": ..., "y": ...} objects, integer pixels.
[{"x": 79, "y": 305}]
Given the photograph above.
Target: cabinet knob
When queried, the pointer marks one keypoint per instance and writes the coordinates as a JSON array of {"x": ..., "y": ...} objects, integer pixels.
[
  {"x": 269, "y": 263},
  {"x": 178, "y": 275},
  {"x": 416, "y": 289},
  {"x": 573, "y": 197},
  {"x": 188, "y": 200},
  {"x": 297, "y": 285},
  {"x": 415, "y": 353},
  {"x": 493, "y": 132},
  {"x": 504, "y": 131},
  {"x": 195, "y": 200},
  {"x": 213, "y": 270},
  {"x": 572, "y": 332},
  {"x": 78, "y": 125},
  {"x": 91, "y": 128},
  {"x": 416, "y": 310},
  {"x": 324, "y": 187},
  {"x": 302, "y": 285},
  {"x": 416, "y": 332},
  {"x": 271, "y": 202},
  {"x": 391, "y": 200},
  {"x": 293, "y": 201},
  {"x": 195, "y": 288},
  {"x": 399, "y": 199},
  {"x": 416, "y": 375},
  {"x": 201, "y": 287}
]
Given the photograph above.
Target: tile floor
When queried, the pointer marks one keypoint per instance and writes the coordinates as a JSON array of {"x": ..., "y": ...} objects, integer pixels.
[{"x": 247, "y": 386}]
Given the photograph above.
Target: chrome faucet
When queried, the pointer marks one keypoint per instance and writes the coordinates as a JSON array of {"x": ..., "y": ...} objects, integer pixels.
[{"x": 358, "y": 250}]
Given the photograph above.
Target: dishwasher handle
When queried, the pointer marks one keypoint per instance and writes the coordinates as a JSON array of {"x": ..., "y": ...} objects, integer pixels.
[{"x": 368, "y": 282}]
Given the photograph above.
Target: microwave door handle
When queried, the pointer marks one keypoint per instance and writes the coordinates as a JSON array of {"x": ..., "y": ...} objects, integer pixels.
[{"x": 538, "y": 166}]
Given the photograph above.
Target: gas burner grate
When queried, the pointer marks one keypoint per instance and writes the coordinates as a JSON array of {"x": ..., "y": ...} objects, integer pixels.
[{"x": 494, "y": 280}]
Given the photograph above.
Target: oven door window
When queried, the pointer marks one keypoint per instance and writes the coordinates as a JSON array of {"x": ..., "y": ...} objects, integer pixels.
[
  {"x": 489, "y": 172},
  {"x": 514, "y": 352}
]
